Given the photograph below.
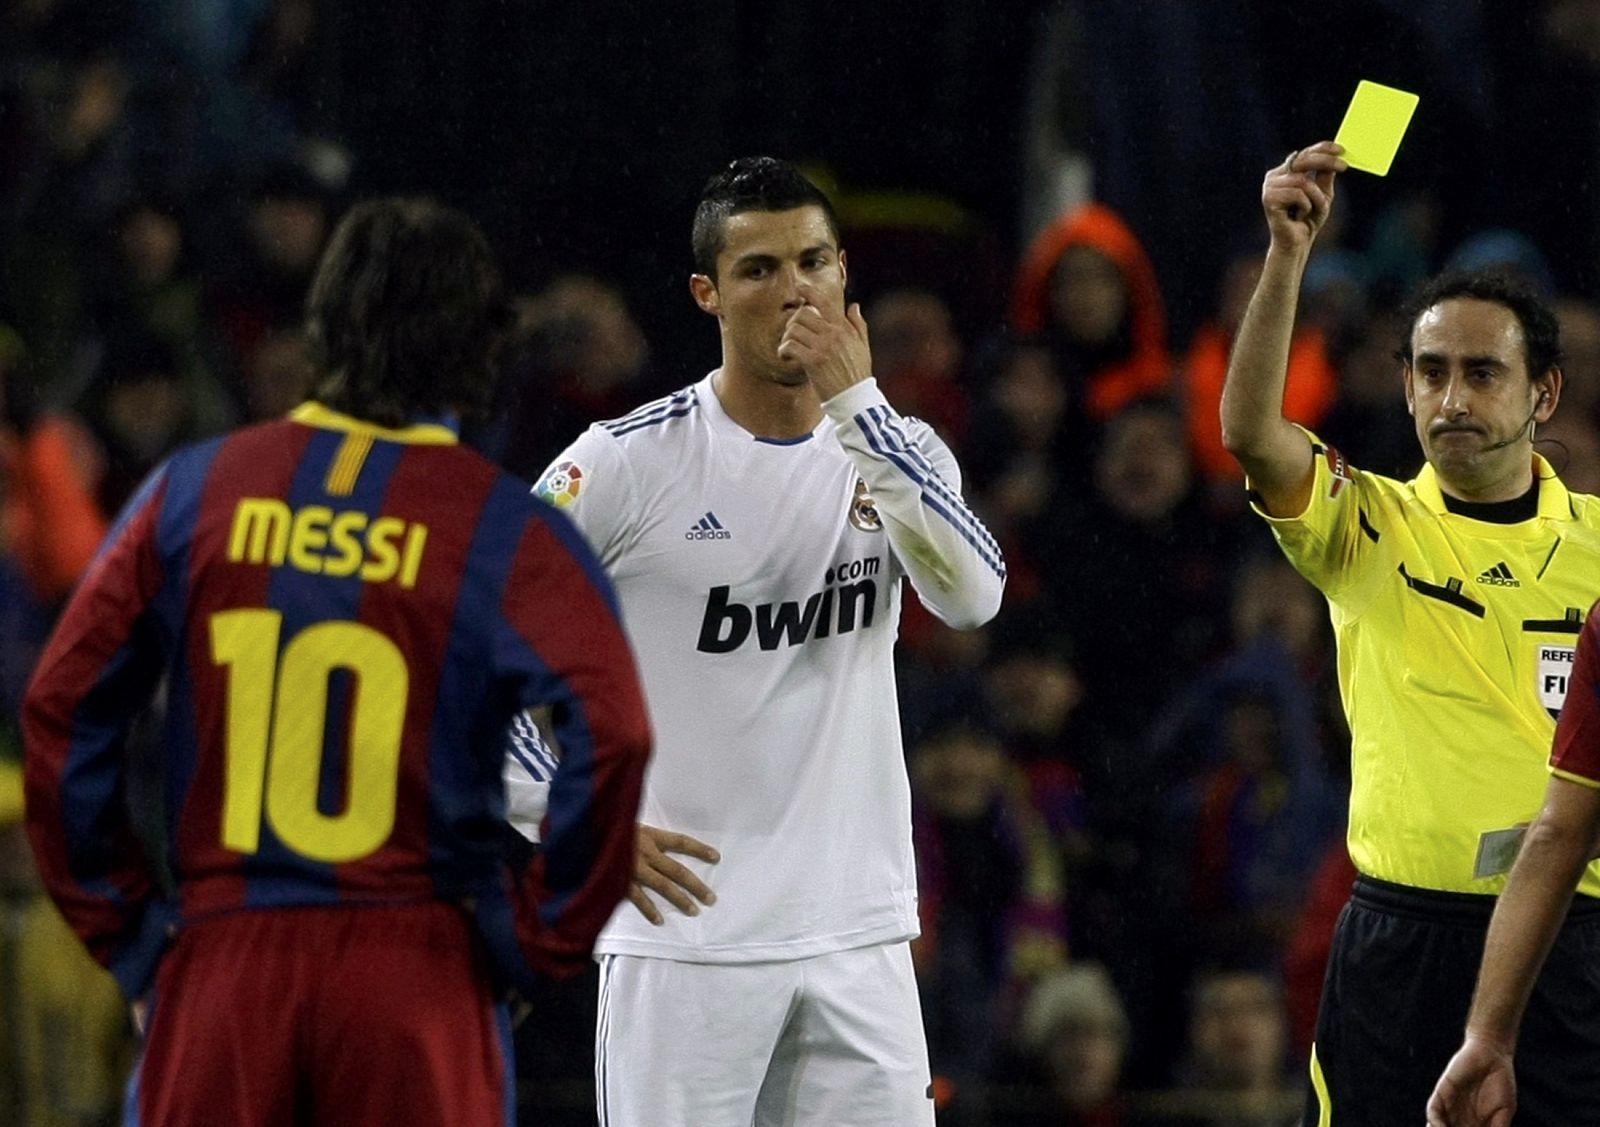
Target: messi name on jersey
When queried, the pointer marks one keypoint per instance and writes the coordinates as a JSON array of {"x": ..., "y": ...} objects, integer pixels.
[
  {"x": 325, "y": 541},
  {"x": 849, "y": 594}
]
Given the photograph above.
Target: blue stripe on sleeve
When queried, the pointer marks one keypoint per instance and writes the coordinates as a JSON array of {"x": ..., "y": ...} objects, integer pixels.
[
  {"x": 527, "y": 746},
  {"x": 645, "y": 424},
  {"x": 936, "y": 495},
  {"x": 674, "y": 406},
  {"x": 891, "y": 425}
]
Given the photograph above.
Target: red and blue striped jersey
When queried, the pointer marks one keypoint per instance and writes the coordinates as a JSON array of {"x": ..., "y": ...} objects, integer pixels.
[{"x": 347, "y": 617}]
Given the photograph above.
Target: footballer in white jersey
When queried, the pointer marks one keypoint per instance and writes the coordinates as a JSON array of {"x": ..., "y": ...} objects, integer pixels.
[
  {"x": 757, "y": 526},
  {"x": 761, "y": 588}
]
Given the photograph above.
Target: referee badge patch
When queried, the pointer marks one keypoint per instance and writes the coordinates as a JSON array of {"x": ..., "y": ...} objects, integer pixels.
[
  {"x": 1338, "y": 470},
  {"x": 1555, "y": 671}
]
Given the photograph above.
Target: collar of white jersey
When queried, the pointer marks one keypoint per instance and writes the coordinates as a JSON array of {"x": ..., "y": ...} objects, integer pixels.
[
  {"x": 428, "y": 433},
  {"x": 719, "y": 419},
  {"x": 1554, "y": 501}
]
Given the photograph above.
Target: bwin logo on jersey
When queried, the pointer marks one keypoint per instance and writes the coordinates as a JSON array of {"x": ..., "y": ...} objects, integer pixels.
[
  {"x": 708, "y": 527},
  {"x": 847, "y": 600}
]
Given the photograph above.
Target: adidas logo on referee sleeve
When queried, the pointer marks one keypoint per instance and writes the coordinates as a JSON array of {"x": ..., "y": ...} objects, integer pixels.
[
  {"x": 1499, "y": 576},
  {"x": 708, "y": 527}
]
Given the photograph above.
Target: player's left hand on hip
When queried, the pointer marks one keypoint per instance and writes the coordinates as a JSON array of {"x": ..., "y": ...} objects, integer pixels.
[{"x": 671, "y": 880}]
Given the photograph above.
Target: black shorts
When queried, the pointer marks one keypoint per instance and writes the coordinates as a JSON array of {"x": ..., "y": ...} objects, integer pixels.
[{"x": 1395, "y": 999}]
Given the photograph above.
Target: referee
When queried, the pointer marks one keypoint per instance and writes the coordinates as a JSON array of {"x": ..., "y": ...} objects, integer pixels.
[{"x": 1456, "y": 599}]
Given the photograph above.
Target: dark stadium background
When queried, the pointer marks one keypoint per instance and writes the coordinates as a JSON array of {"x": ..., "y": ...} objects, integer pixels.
[{"x": 580, "y": 133}]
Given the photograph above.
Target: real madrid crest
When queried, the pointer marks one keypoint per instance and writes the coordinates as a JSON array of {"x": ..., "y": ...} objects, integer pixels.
[{"x": 864, "y": 510}]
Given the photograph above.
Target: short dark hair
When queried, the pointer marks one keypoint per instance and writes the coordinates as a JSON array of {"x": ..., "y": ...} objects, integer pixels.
[
  {"x": 405, "y": 313},
  {"x": 1541, "y": 329},
  {"x": 750, "y": 184}
]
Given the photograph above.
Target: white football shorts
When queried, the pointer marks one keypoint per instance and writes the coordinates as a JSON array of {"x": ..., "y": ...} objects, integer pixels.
[{"x": 831, "y": 1041}]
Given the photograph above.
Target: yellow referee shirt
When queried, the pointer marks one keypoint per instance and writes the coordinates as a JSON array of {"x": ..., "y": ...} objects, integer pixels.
[{"x": 1455, "y": 640}]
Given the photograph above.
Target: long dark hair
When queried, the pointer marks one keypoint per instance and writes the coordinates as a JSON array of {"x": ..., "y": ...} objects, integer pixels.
[{"x": 405, "y": 313}]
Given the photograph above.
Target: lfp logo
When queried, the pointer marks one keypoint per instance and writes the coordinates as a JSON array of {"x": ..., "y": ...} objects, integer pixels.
[{"x": 561, "y": 484}]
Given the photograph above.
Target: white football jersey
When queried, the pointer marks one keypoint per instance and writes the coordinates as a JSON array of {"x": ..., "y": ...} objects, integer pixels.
[{"x": 760, "y": 584}]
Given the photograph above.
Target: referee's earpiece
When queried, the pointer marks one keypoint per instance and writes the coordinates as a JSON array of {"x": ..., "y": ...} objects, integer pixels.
[
  {"x": 1527, "y": 424},
  {"x": 1544, "y": 397}
]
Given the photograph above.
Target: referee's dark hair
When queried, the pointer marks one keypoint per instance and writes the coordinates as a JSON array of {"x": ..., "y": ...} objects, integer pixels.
[
  {"x": 405, "y": 313},
  {"x": 1541, "y": 329},
  {"x": 750, "y": 184}
]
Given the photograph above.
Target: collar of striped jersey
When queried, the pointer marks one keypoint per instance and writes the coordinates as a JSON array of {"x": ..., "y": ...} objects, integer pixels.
[
  {"x": 1554, "y": 501},
  {"x": 314, "y": 414}
]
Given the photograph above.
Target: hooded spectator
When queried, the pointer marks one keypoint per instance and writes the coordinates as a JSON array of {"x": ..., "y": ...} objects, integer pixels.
[{"x": 1087, "y": 286}]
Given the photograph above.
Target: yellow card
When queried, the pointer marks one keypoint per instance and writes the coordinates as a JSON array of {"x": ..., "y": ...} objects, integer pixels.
[{"x": 1373, "y": 126}]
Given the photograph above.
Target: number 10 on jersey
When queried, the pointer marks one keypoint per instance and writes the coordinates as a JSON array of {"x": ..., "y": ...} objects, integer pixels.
[{"x": 277, "y": 714}]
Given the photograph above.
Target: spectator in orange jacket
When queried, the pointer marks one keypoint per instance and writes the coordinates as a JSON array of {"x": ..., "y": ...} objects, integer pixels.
[
  {"x": 50, "y": 526},
  {"x": 50, "y": 529},
  {"x": 1312, "y": 386},
  {"x": 1087, "y": 287}
]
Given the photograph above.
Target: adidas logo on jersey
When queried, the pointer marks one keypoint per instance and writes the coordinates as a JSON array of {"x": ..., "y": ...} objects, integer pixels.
[
  {"x": 1499, "y": 576},
  {"x": 708, "y": 527}
]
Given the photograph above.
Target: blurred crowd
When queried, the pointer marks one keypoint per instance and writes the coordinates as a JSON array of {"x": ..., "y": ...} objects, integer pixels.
[{"x": 1129, "y": 789}]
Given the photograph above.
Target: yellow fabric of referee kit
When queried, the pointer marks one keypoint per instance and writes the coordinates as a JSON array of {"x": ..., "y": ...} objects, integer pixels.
[{"x": 1455, "y": 640}]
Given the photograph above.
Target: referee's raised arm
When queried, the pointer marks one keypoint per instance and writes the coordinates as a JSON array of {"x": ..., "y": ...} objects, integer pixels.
[{"x": 1297, "y": 196}]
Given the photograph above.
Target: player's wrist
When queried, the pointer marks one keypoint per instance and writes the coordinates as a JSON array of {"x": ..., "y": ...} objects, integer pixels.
[
  {"x": 847, "y": 401},
  {"x": 1290, "y": 248},
  {"x": 1499, "y": 1042}
]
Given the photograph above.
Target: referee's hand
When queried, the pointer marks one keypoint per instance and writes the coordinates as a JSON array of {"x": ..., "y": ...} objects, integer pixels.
[
  {"x": 1297, "y": 195},
  {"x": 653, "y": 869},
  {"x": 1478, "y": 1088}
]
